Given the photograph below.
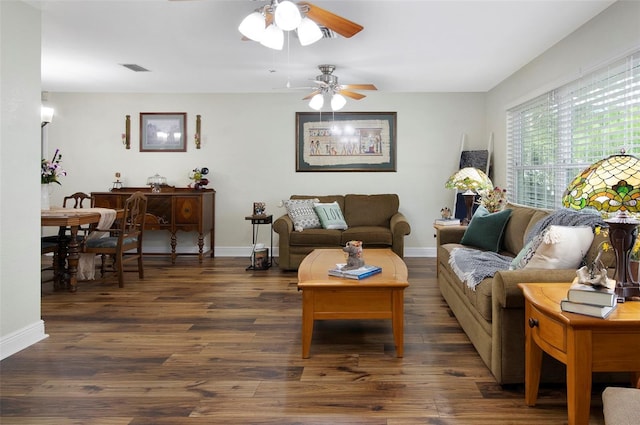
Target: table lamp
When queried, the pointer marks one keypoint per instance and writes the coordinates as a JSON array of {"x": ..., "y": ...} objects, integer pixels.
[
  {"x": 469, "y": 180},
  {"x": 612, "y": 185}
]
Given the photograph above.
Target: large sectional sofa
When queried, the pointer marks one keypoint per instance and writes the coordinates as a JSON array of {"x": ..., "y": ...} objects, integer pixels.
[
  {"x": 492, "y": 313},
  {"x": 373, "y": 219}
]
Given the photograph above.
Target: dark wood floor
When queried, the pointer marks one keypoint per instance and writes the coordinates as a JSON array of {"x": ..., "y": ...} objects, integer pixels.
[{"x": 215, "y": 344}]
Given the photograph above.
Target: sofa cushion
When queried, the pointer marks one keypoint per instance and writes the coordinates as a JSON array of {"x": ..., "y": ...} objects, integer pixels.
[
  {"x": 330, "y": 216},
  {"x": 302, "y": 213},
  {"x": 370, "y": 210},
  {"x": 316, "y": 238},
  {"x": 521, "y": 220},
  {"x": 486, "y": 229},
  {"x": 561, "y": 247},
  {"x": 369, "y": 235}
]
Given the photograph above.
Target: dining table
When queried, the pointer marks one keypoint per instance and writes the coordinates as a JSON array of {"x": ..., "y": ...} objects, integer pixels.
[{"x": 72, "y": 219}]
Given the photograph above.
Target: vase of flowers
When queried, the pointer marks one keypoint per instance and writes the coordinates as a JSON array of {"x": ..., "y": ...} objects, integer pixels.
[
  {"x": 493, "y": 200},
  {"x": 50, "y": 172}
]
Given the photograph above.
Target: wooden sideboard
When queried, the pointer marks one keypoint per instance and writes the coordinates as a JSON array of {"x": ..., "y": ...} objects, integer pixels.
[{"x": 172, "y": 209}]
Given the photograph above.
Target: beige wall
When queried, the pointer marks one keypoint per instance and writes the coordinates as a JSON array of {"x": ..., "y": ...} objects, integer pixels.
[
  {"x": 20, "y": 323},
  {"x": 248, "y": 143}
]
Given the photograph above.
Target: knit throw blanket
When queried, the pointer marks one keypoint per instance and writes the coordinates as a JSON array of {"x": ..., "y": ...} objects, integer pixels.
[
  {"x": 566, "y": 217},
  {"x": 472, "y": 266}
]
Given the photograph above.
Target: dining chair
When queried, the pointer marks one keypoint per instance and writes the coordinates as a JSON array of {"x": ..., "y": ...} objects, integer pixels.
[
  {"x": 51, "y": 248},
  {"x": 124, "y": 236},
  {"x": 63, "y": 237}
]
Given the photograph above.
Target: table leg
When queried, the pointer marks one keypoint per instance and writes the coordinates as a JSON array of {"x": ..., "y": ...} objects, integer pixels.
[
  {"x": 579, "y": 361},
  {"x": 200, "y": 246},
  {"x": 307, "y": 321},
  {"x": 532, "y": 363},
  {"x": 397, "y": 320},
  {"x": 73, "y": 258},
  {"x": 174, "y": 243}
]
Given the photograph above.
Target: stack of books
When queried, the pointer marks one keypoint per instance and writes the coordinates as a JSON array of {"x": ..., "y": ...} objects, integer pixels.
[
  {"x": 586, "y": 299},
  {"x": 359, "y": 273},
  {"x": 447, "y": 222}
]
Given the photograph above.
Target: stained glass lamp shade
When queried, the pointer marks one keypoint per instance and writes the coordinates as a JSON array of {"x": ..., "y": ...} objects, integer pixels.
[
  {"x": 469, "y": 180},
  {"x": 612, "y": 185}
]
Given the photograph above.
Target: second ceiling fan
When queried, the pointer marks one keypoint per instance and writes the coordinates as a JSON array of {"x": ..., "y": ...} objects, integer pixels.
[{"x": 328, "y": 86}]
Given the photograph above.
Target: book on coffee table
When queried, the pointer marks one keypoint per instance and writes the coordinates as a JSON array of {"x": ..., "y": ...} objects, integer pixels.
[{"x": 359, "y": 273}]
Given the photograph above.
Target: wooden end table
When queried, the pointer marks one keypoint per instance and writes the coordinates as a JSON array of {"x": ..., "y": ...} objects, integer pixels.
[
  {"x": 583, "y": 343},
  {"x": 325, "y": 297}
]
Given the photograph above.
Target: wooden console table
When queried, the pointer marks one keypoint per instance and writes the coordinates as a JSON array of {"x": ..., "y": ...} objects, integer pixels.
[{"x": 172, "y": 209}]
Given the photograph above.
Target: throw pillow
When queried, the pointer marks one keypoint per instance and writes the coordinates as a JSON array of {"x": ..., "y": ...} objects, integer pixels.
[
  {"x": 330, "y": 216},
  {"x": 525, "y": 255},
  {"x": 486, "y": 229},
  {"x": 562, "y": 247},
  {"x": 302, "y": 213}
]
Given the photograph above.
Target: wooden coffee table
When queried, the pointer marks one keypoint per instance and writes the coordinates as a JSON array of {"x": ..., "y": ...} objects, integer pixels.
[
  {"x": 585, "y": 344},
  {"x": 327, "y": 297}
]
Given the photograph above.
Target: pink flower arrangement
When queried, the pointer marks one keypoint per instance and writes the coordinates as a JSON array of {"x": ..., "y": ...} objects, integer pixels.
[{"x": 51, "y": 170}]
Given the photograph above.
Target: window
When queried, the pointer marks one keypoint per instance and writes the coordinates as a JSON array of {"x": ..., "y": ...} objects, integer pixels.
[{"x": 553, "y": 137}]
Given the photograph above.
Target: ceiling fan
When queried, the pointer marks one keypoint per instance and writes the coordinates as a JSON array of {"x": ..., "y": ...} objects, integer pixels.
[
  {"x": 266, "y": 24},
  {"x": 329, "y": 86}
]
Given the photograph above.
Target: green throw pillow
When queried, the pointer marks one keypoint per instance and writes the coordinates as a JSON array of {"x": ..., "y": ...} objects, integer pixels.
[
  {"x": 330, "y": 216},
  {"x": 486, "y": 229}
]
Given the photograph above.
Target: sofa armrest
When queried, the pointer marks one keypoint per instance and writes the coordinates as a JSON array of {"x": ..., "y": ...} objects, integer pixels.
[
  {"x": 505, "y": 290},
  {"x": 283, "y": 226},
  {"x": 450, "y": 234},
  {"x": 399, "y": 227}
]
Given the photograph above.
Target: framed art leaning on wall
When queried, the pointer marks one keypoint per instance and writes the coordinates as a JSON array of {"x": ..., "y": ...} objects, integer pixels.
[
  {"x": 163, "y": 132},
  {"x": 346, "y": 141}
]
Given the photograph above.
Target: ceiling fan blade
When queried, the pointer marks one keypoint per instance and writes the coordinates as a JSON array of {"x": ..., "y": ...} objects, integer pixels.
[
  {"x": 342, "y": 26},
  {"x": 310, "y": 95},
  {"x": 351, "y": 94},
  {"x": 358, "y": 86}
]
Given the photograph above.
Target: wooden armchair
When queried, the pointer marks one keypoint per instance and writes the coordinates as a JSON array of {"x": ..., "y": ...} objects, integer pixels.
[{"x": 125, "y": 236}]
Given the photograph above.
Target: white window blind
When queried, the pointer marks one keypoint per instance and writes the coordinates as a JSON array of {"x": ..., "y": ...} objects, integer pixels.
[{"x": 553, "y": 137}]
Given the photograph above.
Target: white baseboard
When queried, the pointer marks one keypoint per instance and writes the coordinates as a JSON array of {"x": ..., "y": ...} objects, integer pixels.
[{"x": 21, "y": 339}]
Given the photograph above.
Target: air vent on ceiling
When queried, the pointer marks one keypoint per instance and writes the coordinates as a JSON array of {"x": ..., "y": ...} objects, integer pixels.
[
  {"x": 327, "y": 33},
  {"x": 134, "y": 67}
]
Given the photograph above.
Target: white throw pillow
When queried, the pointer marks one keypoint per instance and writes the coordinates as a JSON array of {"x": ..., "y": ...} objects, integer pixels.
[{"x": 562, "y": 247}]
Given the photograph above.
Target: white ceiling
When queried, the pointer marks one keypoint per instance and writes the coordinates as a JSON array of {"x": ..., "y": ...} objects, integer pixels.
[{"x": 193, "y": 46}]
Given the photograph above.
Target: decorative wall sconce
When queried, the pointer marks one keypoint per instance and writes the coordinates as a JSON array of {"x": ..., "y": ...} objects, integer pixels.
[
  {"x": 126, "y": 136},
  {"x": 197, "y": 135},
  {"x": 46, "y": 116}
]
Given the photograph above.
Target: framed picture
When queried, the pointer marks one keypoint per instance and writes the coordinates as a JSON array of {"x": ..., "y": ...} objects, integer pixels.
[
  {"x": 259, "y": 208},
  {"x": 346, "y": 141},
  {"x": 163, "y": 132}
]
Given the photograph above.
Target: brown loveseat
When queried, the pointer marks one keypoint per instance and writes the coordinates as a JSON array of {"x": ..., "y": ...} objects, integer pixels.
[
  {"x": 372, "y": 219},
  {"x": 492, "y": 315}
]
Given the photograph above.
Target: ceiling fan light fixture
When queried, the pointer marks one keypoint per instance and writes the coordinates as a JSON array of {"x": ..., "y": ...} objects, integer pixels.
[
  {"x": 337, "y": 102},
  {"x": 287, "y": 16},
  {"x": 253, "y": 26},
  {"x": 308, "y": 32},
  {"x": 273, "y": 37},
  {"x": 317, "y": 102}
]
